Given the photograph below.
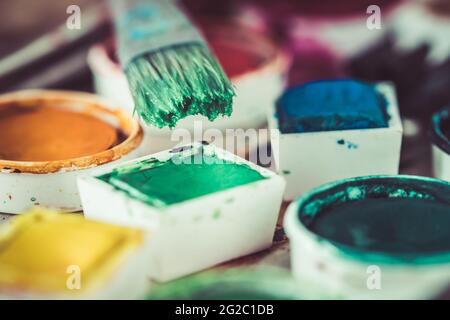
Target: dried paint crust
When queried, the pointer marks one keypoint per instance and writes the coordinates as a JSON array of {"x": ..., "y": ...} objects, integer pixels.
[
  {"x": 162, "y": 183},
  {"x": 82, "y": 102}
]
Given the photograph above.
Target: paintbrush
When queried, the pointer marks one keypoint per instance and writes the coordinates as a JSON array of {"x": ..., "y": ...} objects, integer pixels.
[{"x": 170, "y": 70}]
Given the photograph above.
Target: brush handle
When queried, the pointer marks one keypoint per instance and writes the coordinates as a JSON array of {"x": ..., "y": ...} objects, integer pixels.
[{"x": 146, "y": 26}]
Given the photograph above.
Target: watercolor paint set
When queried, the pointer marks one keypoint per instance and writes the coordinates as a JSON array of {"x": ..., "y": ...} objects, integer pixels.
[{"x": 132, "y": 158}]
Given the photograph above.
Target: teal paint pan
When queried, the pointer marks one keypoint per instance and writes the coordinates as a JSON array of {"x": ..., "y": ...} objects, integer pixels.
[{"x": 373, "y": 237}]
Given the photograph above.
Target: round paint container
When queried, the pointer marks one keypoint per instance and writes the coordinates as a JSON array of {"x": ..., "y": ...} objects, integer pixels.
[
  {"x": 440, "y": 137},
  {"x": 255, "y": 65},
  {"x": 50, "y": 138},
  {"x": 372, "y": 237},
  {"x": 238, "y": 284}
]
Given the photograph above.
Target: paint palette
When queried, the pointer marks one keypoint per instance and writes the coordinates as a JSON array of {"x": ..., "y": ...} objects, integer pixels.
[
  {"x": 202, "y": 204},
  {"x": 372, "y": 237},
  {"x": 310, "y": 157},
  {"x": 46, "y": 254}
]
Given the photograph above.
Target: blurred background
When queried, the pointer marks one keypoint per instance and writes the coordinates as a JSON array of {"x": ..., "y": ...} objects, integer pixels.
[{"x": 319, "y": 40}]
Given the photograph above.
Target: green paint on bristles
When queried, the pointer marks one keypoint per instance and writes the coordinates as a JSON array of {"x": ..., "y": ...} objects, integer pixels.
[{"x": 170, "y": 84}]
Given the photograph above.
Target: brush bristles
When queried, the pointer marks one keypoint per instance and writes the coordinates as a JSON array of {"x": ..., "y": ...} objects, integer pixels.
[{"x": 176, "y": 82}]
